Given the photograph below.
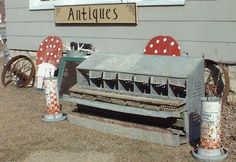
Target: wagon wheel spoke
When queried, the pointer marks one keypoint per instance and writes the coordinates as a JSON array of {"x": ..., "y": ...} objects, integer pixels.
[
  {"x": 211, "y": 88},
  {"x": 24, "y": 65},
  {"x": 10, "y": 78},
  {"x": 19, "y": 71},
  {"x": 209, "y": 78},
  {"x": 216, "y": 80}
]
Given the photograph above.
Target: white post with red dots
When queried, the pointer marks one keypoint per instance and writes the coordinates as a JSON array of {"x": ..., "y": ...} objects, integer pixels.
[
  {"x": 210, "y": 140},
  {"x": 53, "y": 109}
]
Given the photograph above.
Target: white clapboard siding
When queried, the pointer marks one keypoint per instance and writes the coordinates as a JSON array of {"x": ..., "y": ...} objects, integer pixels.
[{"x": 202, "y": 27}]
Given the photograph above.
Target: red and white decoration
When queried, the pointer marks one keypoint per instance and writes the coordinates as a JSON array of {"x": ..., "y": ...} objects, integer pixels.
[
  {"x": 52, "y": 97},
  {"x": 50, "y": 51},
  {"x": 162, "y": 45},
  {"x": 45, "y": 70}
]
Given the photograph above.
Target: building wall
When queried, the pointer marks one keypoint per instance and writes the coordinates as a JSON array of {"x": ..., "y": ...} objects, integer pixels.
[
  {"x": 202, "y": 28},
  {"x": 2, "y": 11},
  {"x": 2, "y": 21}
]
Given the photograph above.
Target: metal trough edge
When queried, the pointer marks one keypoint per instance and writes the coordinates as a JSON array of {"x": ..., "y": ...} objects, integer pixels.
[
  {"x": 128, "y": 132},
  {"x": 120, "y": 108}
]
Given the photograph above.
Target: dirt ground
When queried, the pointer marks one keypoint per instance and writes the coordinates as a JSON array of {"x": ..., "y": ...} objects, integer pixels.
[{"x": 25, "y": 138}]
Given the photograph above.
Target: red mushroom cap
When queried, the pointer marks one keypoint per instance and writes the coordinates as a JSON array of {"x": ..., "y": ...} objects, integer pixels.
[
  {"x": 162, "y": 45},
  {"x": 49, "y": 51}
]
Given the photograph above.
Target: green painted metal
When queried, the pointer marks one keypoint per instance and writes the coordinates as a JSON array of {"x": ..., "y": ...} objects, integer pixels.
[{"x": 63, "y": 62}]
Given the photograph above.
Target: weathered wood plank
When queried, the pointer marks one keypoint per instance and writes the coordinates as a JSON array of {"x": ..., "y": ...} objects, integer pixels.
[{"x": 171, "y": 102}]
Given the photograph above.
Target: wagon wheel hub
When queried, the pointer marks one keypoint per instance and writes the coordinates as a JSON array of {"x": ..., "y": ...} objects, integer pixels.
[{"x": 19, "y": 71}]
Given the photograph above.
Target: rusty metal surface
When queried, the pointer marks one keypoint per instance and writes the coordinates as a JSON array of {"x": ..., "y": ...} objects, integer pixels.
[
  {"x": 217, "y": 81},
  {"x": 19, "y": 71}
]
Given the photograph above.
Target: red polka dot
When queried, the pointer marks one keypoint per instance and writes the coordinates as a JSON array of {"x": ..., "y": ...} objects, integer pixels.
[
  {"x": 49, "y": 50},
  {"x": 162, "y": 45}
]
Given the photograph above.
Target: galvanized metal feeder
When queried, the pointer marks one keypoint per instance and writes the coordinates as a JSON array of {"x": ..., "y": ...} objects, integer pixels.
[
  {"x": 210, "y": 141},
  {"x": 165, "y": 88}
]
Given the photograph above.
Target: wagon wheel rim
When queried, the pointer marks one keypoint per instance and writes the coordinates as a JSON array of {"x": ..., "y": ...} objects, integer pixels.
[
  {"x": 19, "y": 71},
  {"x": 216, "y": 80}
]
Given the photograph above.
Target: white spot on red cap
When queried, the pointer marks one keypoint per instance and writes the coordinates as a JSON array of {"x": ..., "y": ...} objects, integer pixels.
[
  {"x": 52, "y": 39},
  {"x": 41, "y": 58},
  {"x": 41, "y": 49},
  {"x": 47, "y": 53},
  {"x": 144, "y": 50},
  {"x": 155, "y": 51},
  {"x": 179, "y": 47},
  {"x": 164, "y": 39},
  {"x": 46, "y": 40},
  {"x": 165, "y": 50},
  {"x": 57, "y": 60},
  {"x": 151, "y": 45},
  {"x": 55, "y": 56},
  {"x": 172, "y": 43},
  {"x": 47, "y": 46},
  {"x": 157, "y": 41},
  {"x": 51, "y": 53}
]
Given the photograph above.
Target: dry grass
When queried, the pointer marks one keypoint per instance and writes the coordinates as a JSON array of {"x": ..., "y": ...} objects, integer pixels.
[{"x": 24, "y": 137}]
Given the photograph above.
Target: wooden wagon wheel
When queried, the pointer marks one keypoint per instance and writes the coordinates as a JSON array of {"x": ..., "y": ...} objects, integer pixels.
[
  {"x": 216, "y": 80},
  {"x": 19, "y": 71}
]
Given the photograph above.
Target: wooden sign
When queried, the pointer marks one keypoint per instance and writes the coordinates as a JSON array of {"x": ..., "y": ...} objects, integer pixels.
[{"x": 120, "y": 13}]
